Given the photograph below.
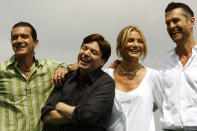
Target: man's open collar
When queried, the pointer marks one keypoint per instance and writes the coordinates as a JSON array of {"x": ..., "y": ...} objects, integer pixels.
[
  {"x": 173, "y": 52},
  {"x": 12, "y": 61}
]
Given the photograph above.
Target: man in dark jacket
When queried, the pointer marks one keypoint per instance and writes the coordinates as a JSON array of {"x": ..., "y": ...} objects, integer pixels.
[{"x": 85, "y": 100}]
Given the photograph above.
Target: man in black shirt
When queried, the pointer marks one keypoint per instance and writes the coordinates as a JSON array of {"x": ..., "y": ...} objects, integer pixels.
[{"x": 85, "y": 100}]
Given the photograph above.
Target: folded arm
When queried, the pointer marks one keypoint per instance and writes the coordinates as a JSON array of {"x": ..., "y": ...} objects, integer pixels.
[
  {"x": 54, "y": 117},
  {"x": 65, "y": 109}
]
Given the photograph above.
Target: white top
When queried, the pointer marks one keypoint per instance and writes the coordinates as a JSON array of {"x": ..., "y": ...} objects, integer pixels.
[
  {"x": 180, "y": 86},
  {"x": 139, "y": 115},
  {"x": 125, "y": 100}
]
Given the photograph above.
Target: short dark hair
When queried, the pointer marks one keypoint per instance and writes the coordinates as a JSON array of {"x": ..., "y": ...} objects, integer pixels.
[
  {"x": 103, "y": 44},
  {"x": 184, "y": 7},
  {"x": 33, "y": 31}
]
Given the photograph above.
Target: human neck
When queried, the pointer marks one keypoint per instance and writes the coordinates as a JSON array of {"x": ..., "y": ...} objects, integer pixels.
[
  {"x": 185, "y": 48},
  {"x": 25, "y": 63},
  {"x": 129, "y": 68},
  {"x": 130, "y": 65}
]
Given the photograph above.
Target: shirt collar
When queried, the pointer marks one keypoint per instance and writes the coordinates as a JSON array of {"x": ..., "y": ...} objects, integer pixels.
[
  {"x": 173, "y": 52},
  {"x": 12, "y": 61},
  {"x": 93, "y": 76}
]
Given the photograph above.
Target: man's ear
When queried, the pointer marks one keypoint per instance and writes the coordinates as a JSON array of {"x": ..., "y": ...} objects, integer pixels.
[
  {"x": 102, "y": 62},
  {"x": 36, "y": 43},
  {"x": 192, "y": 22}
]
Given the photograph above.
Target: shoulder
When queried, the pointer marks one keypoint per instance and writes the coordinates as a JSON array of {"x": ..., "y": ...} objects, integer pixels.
[
  {"x": 164, "y": 61},
  {"x": 8, "y": 62},
  {"x": 105, "y": 77},
  {"x": 154, "y": 74},
  {"x": 155, "y": 79},
  {"x": 47, "y": 61},
  {"x": 109, "y": 71},
  {"x": 105, "y": 83},
  {"x": 4, "y": 65},
  {"x": 103, "y": 80},
  {"x": 4, "y": 62},
  {"x": 152, "y": 71},
  {"x": 168, "y": 60}
]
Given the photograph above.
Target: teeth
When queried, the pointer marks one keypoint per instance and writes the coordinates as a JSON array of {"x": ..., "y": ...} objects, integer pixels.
[
  {"x": 175, "y": 33},
  {"x": 19, "y": 47},
  {"x": 84, "y": 60},
  {"x": 134, "y": 50}
]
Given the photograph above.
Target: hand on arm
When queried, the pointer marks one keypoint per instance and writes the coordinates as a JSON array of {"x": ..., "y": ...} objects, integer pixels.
[
  {"x": 115, "y": 63},
  {"x": 58, "y": 76}
]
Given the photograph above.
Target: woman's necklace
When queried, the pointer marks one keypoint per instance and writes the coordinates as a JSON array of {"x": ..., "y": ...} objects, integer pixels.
[{"x": 123, "y": 72}]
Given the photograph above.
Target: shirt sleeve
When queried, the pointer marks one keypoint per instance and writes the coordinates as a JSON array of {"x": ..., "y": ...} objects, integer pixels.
[
  {"x": 52, "y": 100},
  {"x": 158, "y": 90},
  {"x": 99, "y": 104}
]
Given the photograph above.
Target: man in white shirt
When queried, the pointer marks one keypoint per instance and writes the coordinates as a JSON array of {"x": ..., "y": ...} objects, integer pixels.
[{"x": 179, "y": 71}]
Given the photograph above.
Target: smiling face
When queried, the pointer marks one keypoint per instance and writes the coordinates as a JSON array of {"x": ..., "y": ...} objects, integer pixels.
[
  {"x": 89, "y": 58},
  {"x": 134, "y": 48},
  {"x": 179, "y": 27},
  {"x": 22, "y": 41}
]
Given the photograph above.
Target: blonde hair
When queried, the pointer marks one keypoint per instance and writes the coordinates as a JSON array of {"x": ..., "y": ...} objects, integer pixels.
[{"x": 122, "y": 40}]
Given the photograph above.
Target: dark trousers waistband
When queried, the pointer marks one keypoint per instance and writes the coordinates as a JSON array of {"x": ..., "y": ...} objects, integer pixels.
[{"x": 180, "y": 130}]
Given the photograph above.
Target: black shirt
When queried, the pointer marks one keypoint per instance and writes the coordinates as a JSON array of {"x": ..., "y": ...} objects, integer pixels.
[{"x": 93, "y": 97}]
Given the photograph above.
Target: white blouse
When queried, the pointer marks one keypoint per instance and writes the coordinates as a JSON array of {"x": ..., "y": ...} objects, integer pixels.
[
  {"x": 125, "y": 100},
  {"x": 136, "y": 114}
]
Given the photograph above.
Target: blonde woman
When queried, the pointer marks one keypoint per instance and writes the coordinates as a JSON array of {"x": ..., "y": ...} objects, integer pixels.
[{"x": 138, "y": 87}]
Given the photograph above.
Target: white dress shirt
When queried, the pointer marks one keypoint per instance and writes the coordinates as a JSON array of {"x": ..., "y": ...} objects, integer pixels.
[
  {"x": 180, "y": 87},
  {"x": 138, "y": 115}
]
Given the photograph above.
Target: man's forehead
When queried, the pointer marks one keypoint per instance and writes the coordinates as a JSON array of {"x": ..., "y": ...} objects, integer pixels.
[
  {"x": 24, "y": 29},
  {"x": 91, "y": 44},
  {"x": 176, "y": 11}
]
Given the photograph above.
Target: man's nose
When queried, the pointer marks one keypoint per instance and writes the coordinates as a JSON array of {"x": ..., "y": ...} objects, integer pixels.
[
  {"x": 87, "y": 52},
  {"x": 171, "y": 25},
  {"x": 19, "y": 40}
]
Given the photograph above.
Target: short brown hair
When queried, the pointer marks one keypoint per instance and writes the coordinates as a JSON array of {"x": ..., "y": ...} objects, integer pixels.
[
  {"x": 187, "y": 10},
  {"x": 103, "y": 44},
  {"x": 122, "y": 40}
]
